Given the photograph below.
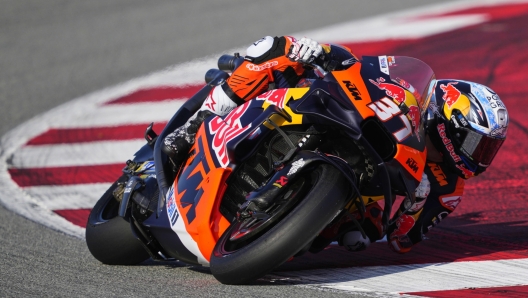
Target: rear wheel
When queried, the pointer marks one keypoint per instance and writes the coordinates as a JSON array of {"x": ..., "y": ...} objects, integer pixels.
[
  {"x": 251, "y": 248},
  {"x": 109, "y": 237}
]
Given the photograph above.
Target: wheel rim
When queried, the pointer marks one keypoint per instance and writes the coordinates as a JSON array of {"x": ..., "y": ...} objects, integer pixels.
[{"x": 241, "y": 234}]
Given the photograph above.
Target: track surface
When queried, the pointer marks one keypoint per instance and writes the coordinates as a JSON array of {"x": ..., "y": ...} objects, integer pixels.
[{"x": 56, "y": 53}]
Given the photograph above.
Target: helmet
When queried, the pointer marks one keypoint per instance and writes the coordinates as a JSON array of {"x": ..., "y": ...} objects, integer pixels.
[{"x": 467, "y": 123}]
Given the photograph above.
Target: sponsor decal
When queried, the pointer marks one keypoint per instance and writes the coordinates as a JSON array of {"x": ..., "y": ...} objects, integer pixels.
[
  {"x": 467, "y": 173},
  {"x": 433, "y": 107},
  {"x": 296, "y": 166},
  {"x": 255, "y": 134},
  {"x": 414, "y": 116},
  {"x": 451, "y": 94},
  {"x": 403, "y": 83},
  {"x": 391, "y": 60},
  {"x": 409, "y": 87},
  {"x": 412, "y": 164},
  {"x": 171, "y": 207},
  {"x": 438, "y": 173},
  {"x": 275, "y": 97},
  {"x": 451, "y": 202},
  {"x": 385, "y": 110},
  {"x": 447, "y": 143},
  {"x": 353, "y": 90},
  {"x": 148, "y": 165},
  {"x": 463, "y": 120},
  {"x": 350, "y": 61},
  {"x": 436, "y": 220},
  {"x": 398, "y": 94},
  {"x": 261, "y": 67},
  {"x": 455, "y": 122},
  {"x": 417, "y": 206},
  {"x": 394, "y": 91},
  {"x": 384, "y": 67},
  {"x": 404, "y": 224},
  {"x": 210, "y": 102},
  {"x": 128, "y": 186},
  {"x": 281, "y": 182},
  {"x": 225, "y": 130}
]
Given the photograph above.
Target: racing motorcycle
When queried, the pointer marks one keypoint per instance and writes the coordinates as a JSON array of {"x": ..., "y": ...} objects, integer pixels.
[{"x": 286, "y": 173}]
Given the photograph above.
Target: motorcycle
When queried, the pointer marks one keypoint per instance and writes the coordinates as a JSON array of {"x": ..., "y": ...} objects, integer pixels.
[{"x": 286, "y": 173}]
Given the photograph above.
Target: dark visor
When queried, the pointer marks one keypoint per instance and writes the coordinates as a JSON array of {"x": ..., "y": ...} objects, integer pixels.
[{"x": 482, "y": 149}]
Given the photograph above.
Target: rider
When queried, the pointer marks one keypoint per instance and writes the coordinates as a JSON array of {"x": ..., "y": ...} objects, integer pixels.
[
  {"x": 270, "y": 62},
  {"x": 466, "y": 125}
]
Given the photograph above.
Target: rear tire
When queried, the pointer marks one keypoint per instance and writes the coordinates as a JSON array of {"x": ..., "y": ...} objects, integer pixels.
[
  {"x": 109, "y": 237},
  {"x": 324, "y": 196}
]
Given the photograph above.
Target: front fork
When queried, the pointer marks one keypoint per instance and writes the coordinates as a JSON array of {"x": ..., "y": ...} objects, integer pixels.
[{"x": 259, "y": 200}]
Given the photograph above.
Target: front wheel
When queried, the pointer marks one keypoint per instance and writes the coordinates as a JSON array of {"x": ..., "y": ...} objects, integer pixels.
[
  {"x": 320, "y": 194},
  {"x": 109, "y": 237}
]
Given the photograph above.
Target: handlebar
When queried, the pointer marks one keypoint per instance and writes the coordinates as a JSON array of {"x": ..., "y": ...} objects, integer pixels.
[{"x": 230, "y": 62}]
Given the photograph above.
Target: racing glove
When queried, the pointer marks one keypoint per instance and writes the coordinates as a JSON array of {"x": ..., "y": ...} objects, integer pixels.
[{"x": 305, "y": 50}]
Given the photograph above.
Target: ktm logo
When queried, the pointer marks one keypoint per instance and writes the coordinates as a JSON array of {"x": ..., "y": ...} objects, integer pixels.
[
  {"x": 412, "y": 164},
  {"x": 353, "y": 90},
  {"x": 438, "y": 173}
]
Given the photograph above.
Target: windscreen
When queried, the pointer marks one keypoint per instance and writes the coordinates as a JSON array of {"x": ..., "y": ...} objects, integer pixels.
[{"x": 414, "y": 75}]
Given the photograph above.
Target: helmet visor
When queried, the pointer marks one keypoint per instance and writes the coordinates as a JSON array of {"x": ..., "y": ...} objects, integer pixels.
[{"x": 481, "y": 148}]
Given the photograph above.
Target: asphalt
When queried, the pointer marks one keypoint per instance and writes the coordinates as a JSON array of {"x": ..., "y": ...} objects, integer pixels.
[{"x": 54, "y": 51}]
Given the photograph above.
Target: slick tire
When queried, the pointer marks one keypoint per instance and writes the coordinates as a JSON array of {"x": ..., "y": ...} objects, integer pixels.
[
  {"x": 109, "y": 237},
  {"x": 324, "y": 197}
]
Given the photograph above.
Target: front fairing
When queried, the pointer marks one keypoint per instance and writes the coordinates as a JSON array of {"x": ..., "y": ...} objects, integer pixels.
[{"x": 380, "y": 101}]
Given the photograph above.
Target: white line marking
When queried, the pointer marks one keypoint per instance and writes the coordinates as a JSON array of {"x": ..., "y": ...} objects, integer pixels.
[
  {"x": 416, "y": 277},
  {"x": 79, "y": 154},
  {"x": 383, "y": 28},
  {"x": 35, "y": 202},
  {"x": 121, "y": 114},
  {"x": 78, "y": 196}
]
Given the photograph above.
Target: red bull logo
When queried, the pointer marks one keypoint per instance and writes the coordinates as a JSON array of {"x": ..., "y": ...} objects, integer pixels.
[
  {"x": 396, "y": 92},
  {"x": 404, "y": 224},
  {"x": 225, "y": 130},
  {"x": 451, "y": 94},
  {"x": 447, "y": 142},
  {"x": 275, "y": 97}
]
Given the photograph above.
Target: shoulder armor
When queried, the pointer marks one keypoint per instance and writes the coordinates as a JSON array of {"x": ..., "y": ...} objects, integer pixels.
[{"x": 260, "y": 47}]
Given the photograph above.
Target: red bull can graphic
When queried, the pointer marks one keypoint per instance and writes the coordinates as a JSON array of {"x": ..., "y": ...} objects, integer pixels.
[
  {"x": 451, "y": 94},
  {"x": 396, "y": 92}
]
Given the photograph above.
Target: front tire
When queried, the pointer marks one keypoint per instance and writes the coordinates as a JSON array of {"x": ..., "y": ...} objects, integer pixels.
[
  {"x": 109, "y": 237},
  {"x": 324, "y": 195}
]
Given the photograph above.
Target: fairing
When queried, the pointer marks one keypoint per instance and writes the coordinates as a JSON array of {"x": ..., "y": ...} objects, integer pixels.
[{"x": 387, "y": 94}]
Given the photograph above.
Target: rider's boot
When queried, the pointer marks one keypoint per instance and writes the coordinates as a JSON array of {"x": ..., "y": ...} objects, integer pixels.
[
  {"x": 398, "y": 233},
  {"x": 354, "y": 241},
  {"x": 178, "y": 143},
  {"x": 372, "y": 226}
]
